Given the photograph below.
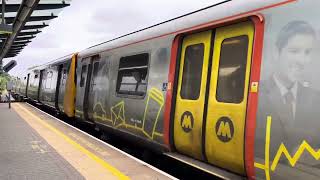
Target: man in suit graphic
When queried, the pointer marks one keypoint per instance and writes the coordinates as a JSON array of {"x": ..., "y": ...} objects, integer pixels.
[{"x": 288, "y": 98}]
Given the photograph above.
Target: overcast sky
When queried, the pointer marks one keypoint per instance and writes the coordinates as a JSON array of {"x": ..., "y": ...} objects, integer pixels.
[{"x": 86, "y": 23}]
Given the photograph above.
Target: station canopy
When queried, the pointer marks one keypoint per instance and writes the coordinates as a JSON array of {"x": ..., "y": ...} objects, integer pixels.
[{"x": 23, "y": 20}]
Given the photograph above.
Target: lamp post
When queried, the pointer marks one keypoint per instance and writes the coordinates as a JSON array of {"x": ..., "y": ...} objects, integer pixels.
[{"x": 1, "y": 67}]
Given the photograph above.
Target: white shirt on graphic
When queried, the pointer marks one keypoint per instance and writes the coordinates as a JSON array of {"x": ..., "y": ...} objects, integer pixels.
[{"x": 284, "y": 90}]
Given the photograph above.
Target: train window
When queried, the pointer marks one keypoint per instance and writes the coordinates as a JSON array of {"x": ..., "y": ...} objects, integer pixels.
[
  {"x": 192, "y": 71},
  {"x": 83, "y": 75},
  {"x": 132, "y": 75},
  {"x": 232, "y": 69}
]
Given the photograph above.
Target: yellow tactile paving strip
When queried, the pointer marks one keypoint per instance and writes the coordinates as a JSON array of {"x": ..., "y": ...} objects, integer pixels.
[{"x": 86, "y": 162}]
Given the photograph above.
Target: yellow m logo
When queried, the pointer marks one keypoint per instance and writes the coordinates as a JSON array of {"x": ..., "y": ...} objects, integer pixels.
[
  {"x": 224, "y": 129},
  {"x": 186, "y": 123}
]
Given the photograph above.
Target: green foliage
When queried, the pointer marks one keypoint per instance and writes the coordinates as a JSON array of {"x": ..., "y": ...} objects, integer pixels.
[{"x": 4, "y": 78}]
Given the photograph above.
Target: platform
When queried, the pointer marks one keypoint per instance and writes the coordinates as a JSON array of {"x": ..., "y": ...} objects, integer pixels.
[{"x": 35, "y": 145}]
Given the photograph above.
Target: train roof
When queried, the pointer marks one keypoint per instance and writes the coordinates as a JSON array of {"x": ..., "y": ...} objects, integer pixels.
[
  {"x": 215, "y": 12},
  {"x": 62, "y": 59},
  {"x": 51, "y": 63}
]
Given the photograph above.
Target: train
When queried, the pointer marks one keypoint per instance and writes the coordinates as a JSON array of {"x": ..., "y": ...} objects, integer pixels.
[{"x": 230, "y": 88}]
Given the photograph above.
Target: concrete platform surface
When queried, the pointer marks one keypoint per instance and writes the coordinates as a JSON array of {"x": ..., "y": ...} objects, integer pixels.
[{"x": 35, "y": 145}]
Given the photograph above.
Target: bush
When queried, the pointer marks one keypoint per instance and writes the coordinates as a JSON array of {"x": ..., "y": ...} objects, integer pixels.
[{"x": 4, "y": 78}]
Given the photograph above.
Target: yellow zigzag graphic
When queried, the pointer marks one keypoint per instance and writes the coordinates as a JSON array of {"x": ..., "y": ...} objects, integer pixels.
[
  {"x": 118, "y": 119},
  {"x": 293, "y": 160},
  {"x": 282, "y": 150}
]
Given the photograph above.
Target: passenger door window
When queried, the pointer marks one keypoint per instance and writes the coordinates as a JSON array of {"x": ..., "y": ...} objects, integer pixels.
[
  {"x": 232, "y": 69},
  {"x": 64, "y": 76},
  {"x": 83, "y": 75},
  {"x": 192, "y": 71},
  {"x": 95, "y": 73},
  {"x": 49, "y": 80}
]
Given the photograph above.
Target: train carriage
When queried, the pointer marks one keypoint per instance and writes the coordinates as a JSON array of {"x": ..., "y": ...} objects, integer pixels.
[
  {"x": 33, "y": 84},
  {"x": 232, "y": 86},
  {"x": 58, "y": 84},
  {"x": 23, "y": 86}
]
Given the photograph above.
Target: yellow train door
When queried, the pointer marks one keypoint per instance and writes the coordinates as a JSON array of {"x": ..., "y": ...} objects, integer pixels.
[
  {"x": 227, "y": 103},
  {"x": 214, "y": 131},
  {"x": 190, "y": 100}
]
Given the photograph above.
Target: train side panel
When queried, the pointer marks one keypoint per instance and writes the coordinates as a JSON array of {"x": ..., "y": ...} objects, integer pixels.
[
  {"x": 47, "y": 95},
  {"x": 24, "y": 82},
  {"x": 124, "y": 89},
  {"x": 69, "y": 90},
  {"x": 63, "y": 68},
  {"x": 82, "y": 73},
  {"x": 287, "y": 138},
  {"x": 116, "y": 103},
  {"x": 33, "y": 86}
]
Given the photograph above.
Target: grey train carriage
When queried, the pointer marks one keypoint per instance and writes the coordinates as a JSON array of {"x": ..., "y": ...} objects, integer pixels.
[{"x": 233, "y": 87}]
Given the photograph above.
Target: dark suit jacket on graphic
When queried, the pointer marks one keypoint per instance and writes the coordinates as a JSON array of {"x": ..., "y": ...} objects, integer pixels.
[{"x": 285, "y": 129}]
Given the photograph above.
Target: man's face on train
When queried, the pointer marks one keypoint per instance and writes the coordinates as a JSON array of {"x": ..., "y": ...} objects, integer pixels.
[{"x": 295, "y": 55}]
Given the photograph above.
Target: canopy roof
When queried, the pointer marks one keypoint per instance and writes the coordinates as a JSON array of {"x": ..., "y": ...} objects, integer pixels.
[{"x": 27, "y": 18}]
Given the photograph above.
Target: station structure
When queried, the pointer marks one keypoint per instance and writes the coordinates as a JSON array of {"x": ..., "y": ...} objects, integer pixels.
[
  {"x": 36, "y": 145},
  {"x": 22, "y": 20}
]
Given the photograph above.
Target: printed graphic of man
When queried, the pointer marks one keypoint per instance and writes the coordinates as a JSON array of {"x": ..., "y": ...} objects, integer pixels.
[{"x": 287, "y": 97}]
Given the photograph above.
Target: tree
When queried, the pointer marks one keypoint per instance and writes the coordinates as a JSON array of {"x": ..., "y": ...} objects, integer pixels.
[{"x": 4, "y": 78}]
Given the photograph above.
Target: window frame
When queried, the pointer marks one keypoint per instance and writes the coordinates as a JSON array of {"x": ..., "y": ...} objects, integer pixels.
[
  {"x": 217, "y": 86},
  {"x": 133, "y": 96}
]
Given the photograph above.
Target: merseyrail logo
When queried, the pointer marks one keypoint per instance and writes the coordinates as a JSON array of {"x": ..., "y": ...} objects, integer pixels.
[
  {"x": 187, "y": 121},
  {"x": 224, "y": 129}
]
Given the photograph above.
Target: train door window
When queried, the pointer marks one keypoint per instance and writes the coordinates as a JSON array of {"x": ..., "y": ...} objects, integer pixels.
[
  {"x": 83, "y": 75},
  {"x": 232, "y": 69},
  {"x": 30, "y": 81},
  {"x": 35, "y": 80},
  {"x": 192, "y": 72},
  {"x": 64, "y": 76},
  {"x": 25, "y": 79},
  {"x": 191, "y": 78},
  {"x": 132, "y": 75},
  {"x": 36, "y": 76},
  {"x": 49, "y": 79},
  {"x": 95, "y": 72}
]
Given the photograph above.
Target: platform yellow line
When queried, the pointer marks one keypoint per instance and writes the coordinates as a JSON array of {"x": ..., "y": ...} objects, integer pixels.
[{"x": 110, "y": 168}]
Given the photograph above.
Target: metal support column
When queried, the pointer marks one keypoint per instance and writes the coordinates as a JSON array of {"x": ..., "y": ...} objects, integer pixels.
[
  {"x": 3, "y": 12},
  {"x": 1, "y": 67},
  {"x": 2, "y": 22}
]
